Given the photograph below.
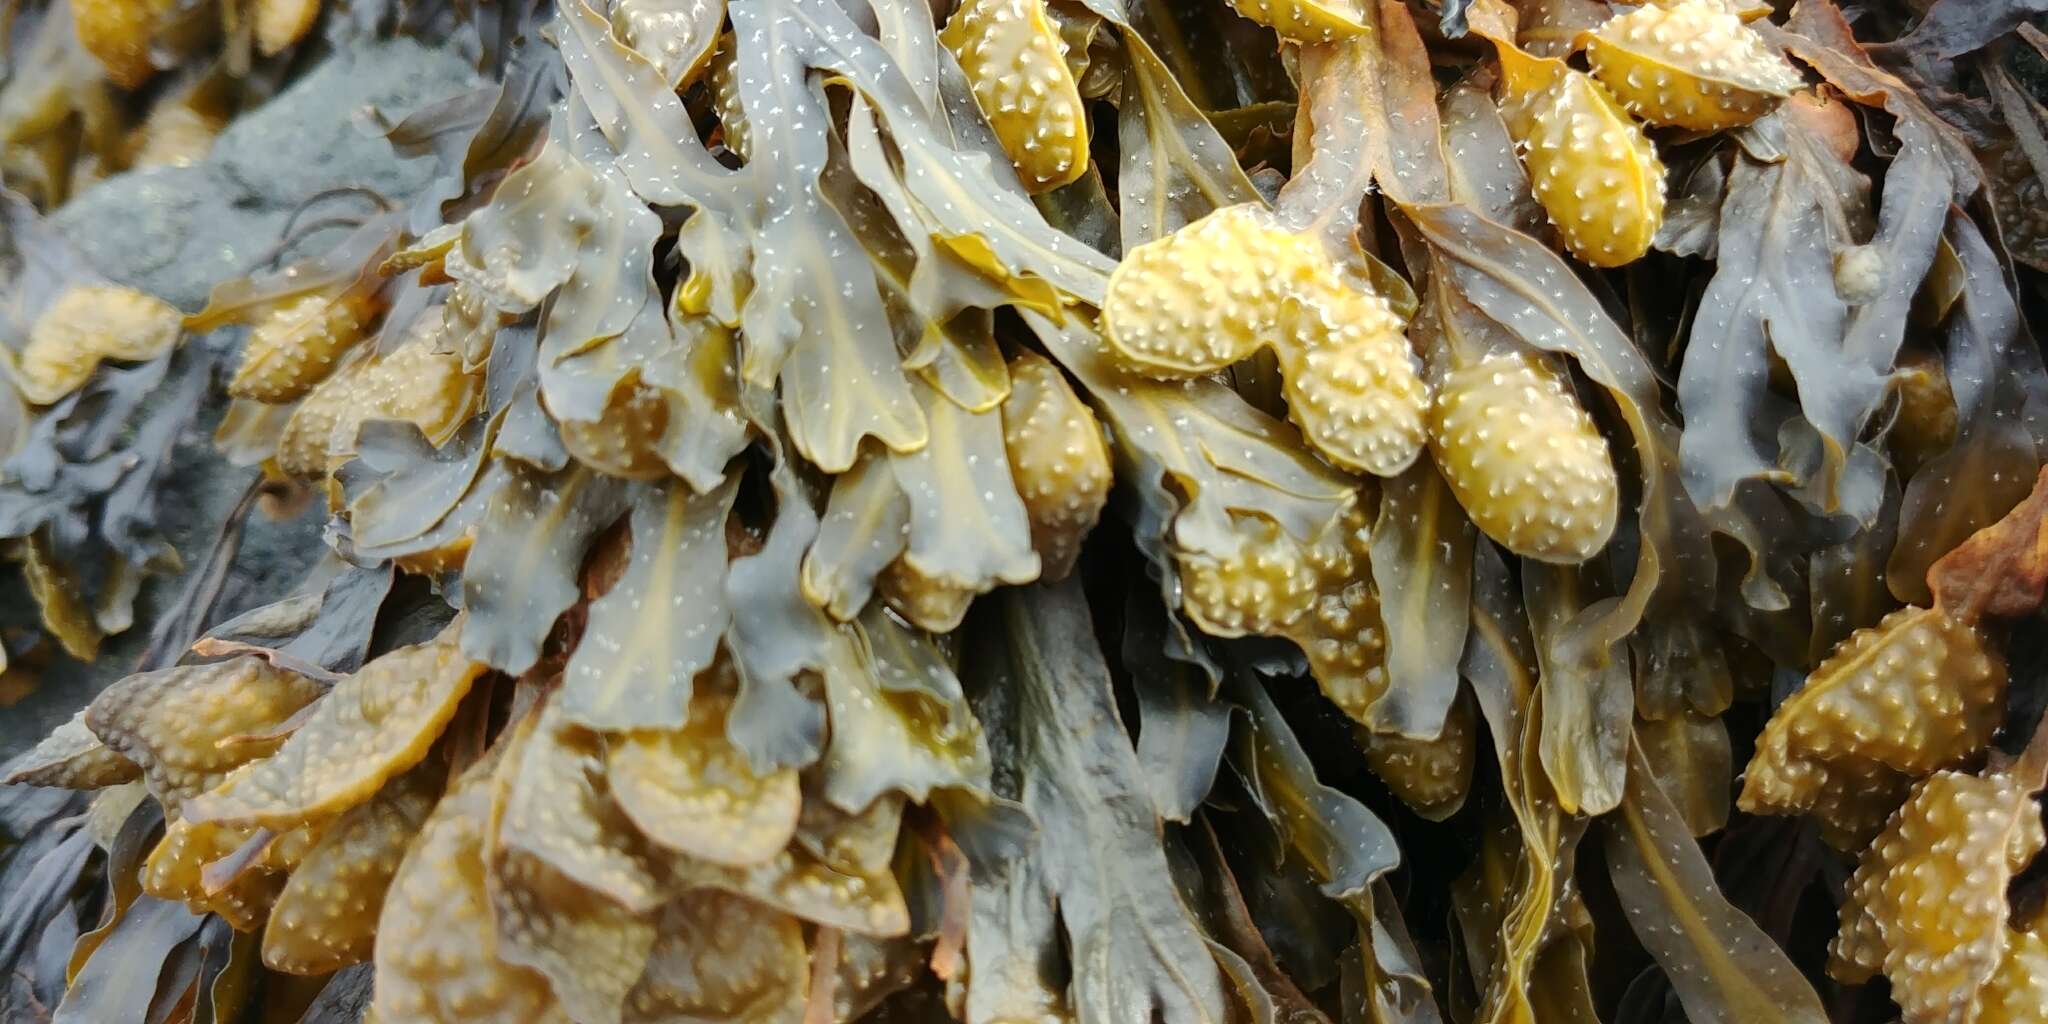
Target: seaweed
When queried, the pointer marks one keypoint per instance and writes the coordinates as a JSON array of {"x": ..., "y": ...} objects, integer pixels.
[{"x": 1055, "y": 510}]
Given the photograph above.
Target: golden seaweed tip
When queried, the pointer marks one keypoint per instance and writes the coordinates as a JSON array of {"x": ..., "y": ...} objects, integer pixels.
[
  {"x": 85, "y": 325},
  {"x": 1058, "y": 458},
  {"x": 1342, "y": 634},
  {"x": 1431, "y": 776},
  {"x": 1919, "y": 691},
  {"x": 1525, "y": 460},
  {"x": 413, "y": 384},
  {"x": 626, "y": 440},
  {"x": 281, "y": 23},
  {"x": 326, "y": 916},
  {"x": 928, "y": 602},
  {"x": 297, "y": 345},
  {"x": 675, "y": 38},
  {"x": 1260, "y": 587},
  {"x": 1593, "y": 170},
  {"x": 1353, "y": 383},
  {"x": 175, "y": 870},
  {"x": 1015, "y": 61},
  {"x": 1692, "y": 64},
  {"x": 1927, "y": 904},
  {"x": 692, "y": 791},
  {"x": 303, "y": 446},
  {"x": 72, "y": 757},
  {"x": 1207, "y": 295},
  {"x": 723, "y": 80},
  {"x": 1308, "y": 21},
  {"x": 118, "y": 33},
  {"x": 433, "y": 951},
  {"x": 2020, "y": 988},
  {"x": 1221, "y": 288},
  {"x": 371, "y": 727},
  {"x": 1317, "y": 594},
  {"x": 187, "y": 726}
]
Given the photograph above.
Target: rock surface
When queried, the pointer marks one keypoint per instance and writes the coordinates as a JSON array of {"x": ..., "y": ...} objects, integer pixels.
[{"x": 177, "y": 231}]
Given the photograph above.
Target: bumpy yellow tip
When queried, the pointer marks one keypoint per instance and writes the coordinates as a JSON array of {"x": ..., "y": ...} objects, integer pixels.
[
  {"x": 1342, "y": 634},
  {"x": 2019, "y": 990},
  {"x": 928, "y": 603},
  {"x": 723, "y": 78},
  {"x": 1058, "y": 459},
  {"x": 1353, "y": 383},
  {"x": 303, "y": 449},
  {"x": 176, "y": 867},
  {"x": 1594, "y": 171},
  {"x": 1016, "y": 62},
  {"x": 369, "y": 728},
  {"x": 1917, "y": 692},
  {"x": 430, "y": 964},
  {"x": 326, "y": 916},
  {"x": 417, "y": 384},
  {"x": 1309, "y": 21},
  {"x": 186, "y": 726},
  {"x": 1431, "y": 776},
  {"x": 1691, "y": 64},
  {"x": 1207, "y": 295},
  {"x": 677, "y": 38},
  {"x": 413, "y": 383},
  {"x": 1525, "y": 460},
  {"x": 71, "y": 757},
  {"x": 626, "y": 440},
  {"x": 85, "y": 325},
  {"x": 1319, "y": 595},
  {"x": 118, "y": 33},
  {"x": 1236, "y": 281},
  {"x": 281, "y": 23},
  {"x": 297, "y": 346},
  {"x": 1263, "y": 586},
  {"x": 692, "y": 791},
  {"x": 1927, "y": 905}
]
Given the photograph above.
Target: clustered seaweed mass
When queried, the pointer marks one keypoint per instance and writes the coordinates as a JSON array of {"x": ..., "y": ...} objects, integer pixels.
[{"x": 1390, "y": 445}]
